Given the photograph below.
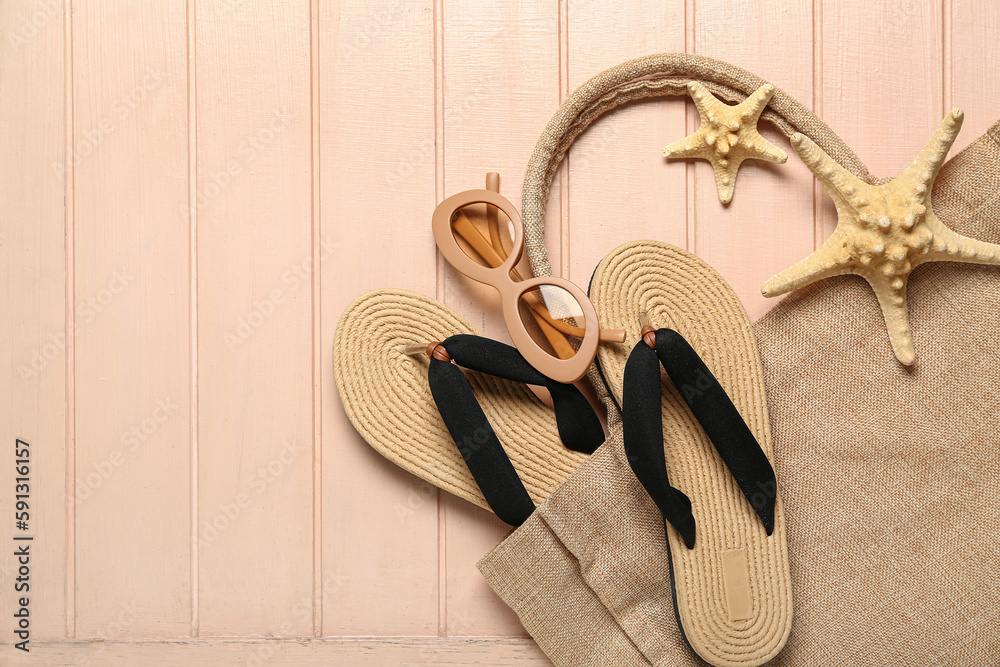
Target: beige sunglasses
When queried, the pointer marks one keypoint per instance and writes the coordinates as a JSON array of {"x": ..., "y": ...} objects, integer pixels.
[{"x": 551, "y": 321}]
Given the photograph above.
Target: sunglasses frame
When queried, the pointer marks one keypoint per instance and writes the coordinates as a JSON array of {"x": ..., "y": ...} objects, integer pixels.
[{"x": 511, "y": 291}]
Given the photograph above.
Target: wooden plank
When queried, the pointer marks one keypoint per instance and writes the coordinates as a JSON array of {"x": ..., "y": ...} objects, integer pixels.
[
  {"x": 501, "y": 75},
  {"x": 620, "y": 187},
  {"x": 132, "y": 293},
  {"x": 254, "y": 221},
  {"x": 377, "y": 147},
  {"x": 973, "y": 51},
  {"x": 299, "y": 652},
  {"x": 769, "y": 225},
  {"x": 881, "y": 81},
  {"x": 33, "y": 340}
]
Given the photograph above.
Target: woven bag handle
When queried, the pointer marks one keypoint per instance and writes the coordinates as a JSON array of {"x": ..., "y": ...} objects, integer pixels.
[{"x": 655, "y": 76}]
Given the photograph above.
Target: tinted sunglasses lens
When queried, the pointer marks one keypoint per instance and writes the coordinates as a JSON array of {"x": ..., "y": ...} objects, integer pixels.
[
  {"x": 484, "y": 233},
  {"x": 554, "y": 319}
]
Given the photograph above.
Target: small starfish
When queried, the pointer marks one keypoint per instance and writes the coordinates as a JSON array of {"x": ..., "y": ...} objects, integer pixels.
[
  {"x": 884, "y": 231},
  {"x": 727, "y": 136}
]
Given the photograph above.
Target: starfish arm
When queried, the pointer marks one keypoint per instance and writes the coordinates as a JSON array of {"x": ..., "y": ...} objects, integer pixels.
[
  {"x": 837, "y": 181},
  {"x": 925, "y": 168},
  {"x": 762, "y": 149},
  {"x": 824, "y": 263},
  {"x": 691, "y": 146},
  {"x": 897, "y": 319},
  {"x": 754, "y": 105},
  {"x": 703, "y": 100},
  {"x": 725, "y": 179},
  {"x": 949, "y": 246}
]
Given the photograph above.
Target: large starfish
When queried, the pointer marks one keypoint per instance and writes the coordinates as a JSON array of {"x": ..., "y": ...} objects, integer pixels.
[
  {"x": 884, "y": 231},
  {"x": 727, "y": 136}
]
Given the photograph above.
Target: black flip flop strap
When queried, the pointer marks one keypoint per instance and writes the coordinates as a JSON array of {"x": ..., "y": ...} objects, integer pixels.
[
  {"x": 478, "y": 444},
  {"x": 579, "y": 427},
  {"x": 721, "y": 421},
  {"x": 642, "y": 429},
  {"x": 471, "y": 430}
]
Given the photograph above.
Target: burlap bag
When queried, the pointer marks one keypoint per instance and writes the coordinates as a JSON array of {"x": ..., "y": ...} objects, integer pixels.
[{"x": 886, "y": 472}]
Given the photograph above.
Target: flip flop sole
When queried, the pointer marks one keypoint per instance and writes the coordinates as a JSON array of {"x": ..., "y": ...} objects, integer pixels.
[
  {"x": 385, "y": 394},
  {"x": 732, "y": 591}
]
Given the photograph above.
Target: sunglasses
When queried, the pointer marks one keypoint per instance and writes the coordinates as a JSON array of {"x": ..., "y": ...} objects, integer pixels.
[{"x": 551, "y": 321}]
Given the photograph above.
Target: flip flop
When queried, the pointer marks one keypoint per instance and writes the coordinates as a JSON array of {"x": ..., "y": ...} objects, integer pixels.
[
  {"x": 708, "y": 466},
  {"x": 478, "y": 433}
]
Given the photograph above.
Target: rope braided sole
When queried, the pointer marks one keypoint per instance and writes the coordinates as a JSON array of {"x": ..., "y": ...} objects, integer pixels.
[
  {"x": 385, "y": 394},
  {"x": 681, "y": 292}
]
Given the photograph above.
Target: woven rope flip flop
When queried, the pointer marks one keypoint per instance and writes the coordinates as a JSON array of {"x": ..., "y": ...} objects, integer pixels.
[
  {"x": 497, "y": 446},
  {"x": 731, "y": 584}
]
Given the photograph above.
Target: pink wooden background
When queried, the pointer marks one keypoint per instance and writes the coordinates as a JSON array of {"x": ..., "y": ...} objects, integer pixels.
[{"x": 193, "y": 191}]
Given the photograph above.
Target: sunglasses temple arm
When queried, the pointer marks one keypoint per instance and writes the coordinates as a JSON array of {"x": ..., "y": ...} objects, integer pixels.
[
  {"x": 606, "y": 335},
  {"x": 492, "y": 219},
  {"x": 612, "y": 335},
  {"x": 471, "y": 235},
  {"x": 464, "y": 228},
  {"x": 556, "y": 339}
]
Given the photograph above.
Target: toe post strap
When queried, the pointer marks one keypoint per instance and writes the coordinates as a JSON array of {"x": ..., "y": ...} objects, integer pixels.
[
  {"x": 711, "y": 406},
  {"x": 478, "y": 443},
  {"x": 642, "y": 429},
  {"x": 579, "y": 427}
]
